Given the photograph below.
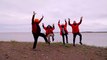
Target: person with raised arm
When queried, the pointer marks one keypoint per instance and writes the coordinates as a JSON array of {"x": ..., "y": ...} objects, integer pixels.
[
  {"x": 49, "y": 31},
  {"x": 75, "y": 30},
  {"x": 36, "y": 30},
  {"x": 63, "y": 31}
]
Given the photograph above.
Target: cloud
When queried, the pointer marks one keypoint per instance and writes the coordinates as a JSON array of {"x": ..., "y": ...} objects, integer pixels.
[{"x": 20, "y": 12}]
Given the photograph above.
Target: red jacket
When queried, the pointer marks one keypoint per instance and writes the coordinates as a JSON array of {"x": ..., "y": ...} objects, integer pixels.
[
  {"x": 36, "y": 28},
  {"x": 48, "y": 30},
  {"x": 35, "y": 25},
  {"x": 65, "y": 28},
  {"x": 75, "y": 26}
]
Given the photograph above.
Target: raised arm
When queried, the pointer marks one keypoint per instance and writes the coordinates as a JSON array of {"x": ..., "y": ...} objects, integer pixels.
[
  {"x": 69, "y": 21},
  {"x": 43, "y": 26},
  {"x": 80, "y": 20},
  {"x": 65, "y": 22},
  {"x": 41, "y": 19},
  {"x": 53, "y": 26},
  {"x": 33, "y": 17},
  {"x": 59, "y": 23}
]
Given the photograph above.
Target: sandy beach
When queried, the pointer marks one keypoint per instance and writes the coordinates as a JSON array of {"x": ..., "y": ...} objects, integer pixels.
[{"x": 56, "y": 51}]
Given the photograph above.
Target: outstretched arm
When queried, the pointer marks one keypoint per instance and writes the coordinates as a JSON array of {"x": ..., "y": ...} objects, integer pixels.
[
  {"x": 41, "y": 19},
  {"x": 33, "y": 17},
  {"x": 80, "y": 20},
  {"x": 69, "y": 21}
]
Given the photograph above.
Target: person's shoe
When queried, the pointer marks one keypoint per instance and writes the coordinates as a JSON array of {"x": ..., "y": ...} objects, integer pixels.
[
  {"x": 63, "y": 44},
  {"x": 52, "y": 39},
  {"x": 48, "y": 43},
  {"x": 74, "y": 45},
  {"x": 67, "y": 42},
  {"x": 80, "y": 43},
  {"x": 36, "y": 50}
]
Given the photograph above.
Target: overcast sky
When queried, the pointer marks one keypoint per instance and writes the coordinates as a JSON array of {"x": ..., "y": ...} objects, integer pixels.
[{"x": 15, "y": 15}]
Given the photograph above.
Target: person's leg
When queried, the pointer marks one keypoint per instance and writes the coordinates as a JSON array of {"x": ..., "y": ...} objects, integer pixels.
[
  {"x": 80, "y": 38},
  {"x": 52, "y": 37},
  {"x": 63, "y": 39},
  {"x": 66, "y": 38},
  {"x": 74, "y": 36},
  {"x": 35, "y": 40},
  {"x": 48, "y": 37},
  {"x": 44, "y": 36}
]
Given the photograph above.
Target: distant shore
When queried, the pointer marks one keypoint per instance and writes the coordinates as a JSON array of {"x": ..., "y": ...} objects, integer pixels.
[
  {"x": 56, "y": 51},
  {"x": 59, "y": 32}
]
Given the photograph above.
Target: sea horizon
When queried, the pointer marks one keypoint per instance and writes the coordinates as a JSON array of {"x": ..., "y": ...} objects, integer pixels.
[
  {"x": 94, "y": 39},
  {"x": 56, "y": 32}
]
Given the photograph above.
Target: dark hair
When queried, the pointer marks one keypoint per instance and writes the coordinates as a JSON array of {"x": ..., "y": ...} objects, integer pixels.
[
  {"x": 49, "y": 26},
  {"x": 62, "y": 26}
]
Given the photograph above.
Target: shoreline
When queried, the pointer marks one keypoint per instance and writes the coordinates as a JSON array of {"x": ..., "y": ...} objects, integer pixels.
[{"x": 52, "y": 43}]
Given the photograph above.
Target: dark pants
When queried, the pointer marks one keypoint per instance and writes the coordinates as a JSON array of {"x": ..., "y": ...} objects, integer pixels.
[
  {"x": 74, "y": 36},
  {"x": 36, "y": 38},
  {"x": 63, "y": 37}
]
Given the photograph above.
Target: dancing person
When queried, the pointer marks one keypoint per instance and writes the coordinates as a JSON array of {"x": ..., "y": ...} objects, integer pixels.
[
  {"x": 63, "y": 31},
  {"x": 75, "y": 30},
  {"x": 36, "y": 30},
  {"x": 49, "y": 31}
]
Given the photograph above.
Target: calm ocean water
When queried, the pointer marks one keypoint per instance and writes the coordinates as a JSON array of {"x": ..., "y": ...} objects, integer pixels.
[{"x": 95, "y": 39}]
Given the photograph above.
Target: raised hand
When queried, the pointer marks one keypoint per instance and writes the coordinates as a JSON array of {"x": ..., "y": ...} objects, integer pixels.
[
  {"x": 41, "y": 19},
  {"x": 80, "y": 20},
  {"x": 34, "y": 13},
  {"x": 81, "y": 17},
  {"x": 65, "y": 20},
  {"x": 68, "y": 19},
  {"x": 53, "y": 26},
  {"x": 59, "y": 21},
  {"x": 43, "y": 25},
  {"x": 42, "y": 16}
]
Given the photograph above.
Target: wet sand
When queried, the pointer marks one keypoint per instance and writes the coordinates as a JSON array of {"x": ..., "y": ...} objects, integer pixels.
[{"x": 56, "y": 51}]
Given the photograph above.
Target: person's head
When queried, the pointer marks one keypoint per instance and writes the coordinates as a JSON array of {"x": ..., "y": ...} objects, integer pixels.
[
  {"x": 49, "y": 26},
  {"x": 74, "y": 22},
  {"x": 62, "y": 25},
  {"x": 36, "y": 20}
]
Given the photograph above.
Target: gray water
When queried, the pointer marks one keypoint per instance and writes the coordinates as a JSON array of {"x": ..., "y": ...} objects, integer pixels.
[{"x": 94, "y": 39}]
